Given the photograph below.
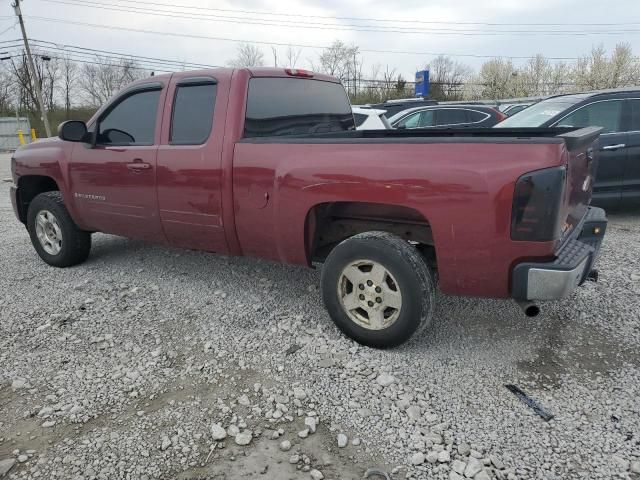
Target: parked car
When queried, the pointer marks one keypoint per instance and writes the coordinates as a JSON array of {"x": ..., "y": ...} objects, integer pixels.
[
  {"x": 457, "y": 116},
  {"x": 617, "y": 179},
  {"x": 266, "y": 163},
  {"x": 512, "y": 109},
  {"x": 370, "y": 118},
  {"x": 394, "y": 106}
]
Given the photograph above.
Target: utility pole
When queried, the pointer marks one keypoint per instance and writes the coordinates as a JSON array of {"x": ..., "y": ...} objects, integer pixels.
[{"x": 32, "y": 69}]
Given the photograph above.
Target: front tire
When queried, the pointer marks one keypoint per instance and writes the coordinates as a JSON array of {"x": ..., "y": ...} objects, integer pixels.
[
  {"x": 377, "y": 289},
  {"x": 54, "y": 234}
]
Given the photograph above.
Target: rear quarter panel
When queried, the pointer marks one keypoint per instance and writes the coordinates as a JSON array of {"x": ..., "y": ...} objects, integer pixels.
[{"x": 464, "y": 190}]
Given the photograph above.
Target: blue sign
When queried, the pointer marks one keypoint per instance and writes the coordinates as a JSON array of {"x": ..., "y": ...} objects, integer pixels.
[{"x": 422, "y": 83}]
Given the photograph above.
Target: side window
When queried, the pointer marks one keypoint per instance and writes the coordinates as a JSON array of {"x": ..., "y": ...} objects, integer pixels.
[
  {"x": 450, "y": 116},
  {"x": 192, "y": 115},
  {"x": 426, "y": 120},
  {"x": 132, "y": 121},
  {"x": 412, "y": 121},
  {"x": 605, "y": 114},
  {"x": 635, "y": 115},
  {"x": 360, "y": 118},
  {"x": 475, "y": 116}
]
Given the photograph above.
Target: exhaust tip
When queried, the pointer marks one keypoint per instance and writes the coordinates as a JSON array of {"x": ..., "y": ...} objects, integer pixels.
[{"x": 532, "y": 311}]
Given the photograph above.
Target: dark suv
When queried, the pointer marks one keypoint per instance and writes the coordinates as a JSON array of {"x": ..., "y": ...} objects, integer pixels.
[
  {"x": 617, "y": 181},
  {"x": 394, "y": 106},
  {"x": 447, "y": 116}
]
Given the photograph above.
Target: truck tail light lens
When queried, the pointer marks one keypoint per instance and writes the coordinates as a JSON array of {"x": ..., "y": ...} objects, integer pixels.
[
  {"x": 537, "y": 203},
  {"x": 297, "y": 72}
]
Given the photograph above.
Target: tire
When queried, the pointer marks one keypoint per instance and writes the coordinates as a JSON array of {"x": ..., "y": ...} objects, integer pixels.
[
  {"x": 404, "y": 292},
  {"x": 54, "y": 234}
]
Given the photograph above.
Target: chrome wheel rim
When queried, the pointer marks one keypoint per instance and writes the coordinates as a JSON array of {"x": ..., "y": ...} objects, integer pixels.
[
  {"x": 369, "y": 295},
  {"x": 48, "y": 232}
]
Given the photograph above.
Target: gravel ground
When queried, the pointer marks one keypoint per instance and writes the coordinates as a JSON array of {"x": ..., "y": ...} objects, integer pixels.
[{"x": 137, "y": 363}]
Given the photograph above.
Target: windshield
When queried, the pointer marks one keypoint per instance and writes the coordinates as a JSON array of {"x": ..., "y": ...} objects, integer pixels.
[{"x": 538, "y": 114}]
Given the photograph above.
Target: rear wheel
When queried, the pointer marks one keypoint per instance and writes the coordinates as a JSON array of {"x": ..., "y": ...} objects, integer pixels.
[
  {"x": 54, "y": 234},
  {"x": 378, "y": 289}
]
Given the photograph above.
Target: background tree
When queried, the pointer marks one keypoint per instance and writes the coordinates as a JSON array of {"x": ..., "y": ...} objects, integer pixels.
[
  {"x": 447, "y": 78},
  {"x": 100, "y": 80},
  {"x": 248, "y": 55}
]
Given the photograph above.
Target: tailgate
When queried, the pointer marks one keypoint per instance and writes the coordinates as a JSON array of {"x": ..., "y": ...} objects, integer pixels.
[{"x": 581, "y": 168}]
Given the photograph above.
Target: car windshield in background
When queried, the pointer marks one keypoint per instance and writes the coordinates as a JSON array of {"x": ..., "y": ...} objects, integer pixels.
[
  {"x": 292, "y": 106},
  {"x": 538, "y": 114}
]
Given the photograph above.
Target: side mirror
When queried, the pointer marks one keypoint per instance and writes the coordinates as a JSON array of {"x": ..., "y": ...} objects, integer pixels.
[{"x": 73, "y": 131}]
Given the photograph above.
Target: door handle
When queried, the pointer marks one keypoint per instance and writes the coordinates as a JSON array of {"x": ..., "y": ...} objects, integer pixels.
[
  {"x": 614, "y": 147},
  {"x": 138, "y": 166}
]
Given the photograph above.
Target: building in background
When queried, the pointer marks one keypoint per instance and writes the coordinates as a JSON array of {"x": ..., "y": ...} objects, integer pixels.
[{"x": 9, "y": 132}]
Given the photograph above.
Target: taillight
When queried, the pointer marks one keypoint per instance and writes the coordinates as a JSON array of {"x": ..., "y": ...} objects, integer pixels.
[
  {"x": 500, "y": 116},
  {"x": 537, "y": 202},
  {"x": 297, "y": 72}
]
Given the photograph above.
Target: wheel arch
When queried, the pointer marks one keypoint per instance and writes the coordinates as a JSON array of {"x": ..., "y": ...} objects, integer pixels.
[
  {"x": 29, "y": 187},
  {"x": 329, "y": 223}
]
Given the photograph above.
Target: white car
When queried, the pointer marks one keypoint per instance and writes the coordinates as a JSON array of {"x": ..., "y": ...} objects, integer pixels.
[{"x": 370, "y": 119}]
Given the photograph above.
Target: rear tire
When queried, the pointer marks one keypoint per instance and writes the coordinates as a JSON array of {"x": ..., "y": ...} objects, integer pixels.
[
  {"x": 378, "y": 289},
  {"x": 54, "y": 234}
]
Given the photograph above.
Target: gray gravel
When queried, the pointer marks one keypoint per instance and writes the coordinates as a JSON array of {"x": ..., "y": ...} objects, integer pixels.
[{"x": 149, "y": 362}]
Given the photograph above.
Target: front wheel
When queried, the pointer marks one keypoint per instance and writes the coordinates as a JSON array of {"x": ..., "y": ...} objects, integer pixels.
[
  {"x": 54, "y": 234},
  {"x": 377, "y": 289}
]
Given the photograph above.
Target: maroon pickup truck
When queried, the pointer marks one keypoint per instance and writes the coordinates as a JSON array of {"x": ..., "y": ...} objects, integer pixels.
[{"x": 266, "y": 163}]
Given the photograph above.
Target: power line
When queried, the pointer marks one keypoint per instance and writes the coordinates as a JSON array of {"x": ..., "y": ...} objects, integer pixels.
[
  {"x": 321, "y": 47},
  {"x": 335, "y": 27},
  {"x": 428, "y": 22},
  {"x": 92, "y": 51}
]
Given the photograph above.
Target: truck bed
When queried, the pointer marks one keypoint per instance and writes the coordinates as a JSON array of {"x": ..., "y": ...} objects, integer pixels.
[{"x": 574, "y": 138}]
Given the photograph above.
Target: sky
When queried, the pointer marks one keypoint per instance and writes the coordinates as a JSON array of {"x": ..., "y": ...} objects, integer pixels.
[{"x": 422, "y": 28}]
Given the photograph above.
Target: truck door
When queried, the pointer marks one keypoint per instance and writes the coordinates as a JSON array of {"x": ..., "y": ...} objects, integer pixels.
[
  {"x": 189, "y": 163},
  {"x": 113, "y": 182},
  {"x": 612, "y": 146},
  {"x": 631, "y": 182}
]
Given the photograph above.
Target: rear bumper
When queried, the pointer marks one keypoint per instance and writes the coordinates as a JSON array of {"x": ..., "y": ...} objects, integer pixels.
[{"x": 574, "y": 261}]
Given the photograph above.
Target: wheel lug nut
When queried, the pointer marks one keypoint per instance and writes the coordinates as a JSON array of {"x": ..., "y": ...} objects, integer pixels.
[
  {"x": 361, "y": 287},
  {"x": 378, "y": 299},
  {"x": 370, "y": 303},
  {"x": 378, "y": 289},
  {"x": 361, "y": 297},
  {"x": 369, "y": 282}
]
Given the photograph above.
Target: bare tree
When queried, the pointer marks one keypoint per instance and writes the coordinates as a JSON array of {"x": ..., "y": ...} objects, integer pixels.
[
  {"x": 69, "y": 82},
  {"x": 447, "y": 78},
  {"x": 6, "y": 90},
  {"x": 339, "y": 60},
  {"x": 248, "y": 55},
  {"x": 100, "y": 81},
  {"x": 292, "y": 56}
]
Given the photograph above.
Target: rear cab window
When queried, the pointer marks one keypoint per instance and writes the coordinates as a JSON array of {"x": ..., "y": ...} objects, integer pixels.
[{"x": 293, "y": 106}]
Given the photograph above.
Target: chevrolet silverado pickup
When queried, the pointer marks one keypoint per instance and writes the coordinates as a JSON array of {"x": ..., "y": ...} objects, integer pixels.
[{"x": 267, "y": 163}]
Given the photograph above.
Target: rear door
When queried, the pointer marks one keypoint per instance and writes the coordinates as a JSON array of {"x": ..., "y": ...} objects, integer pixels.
[
  {"x": 611, "y": 146},
  {"x": 631, "y": 181},
  {"x": 190, "y": 163}
]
